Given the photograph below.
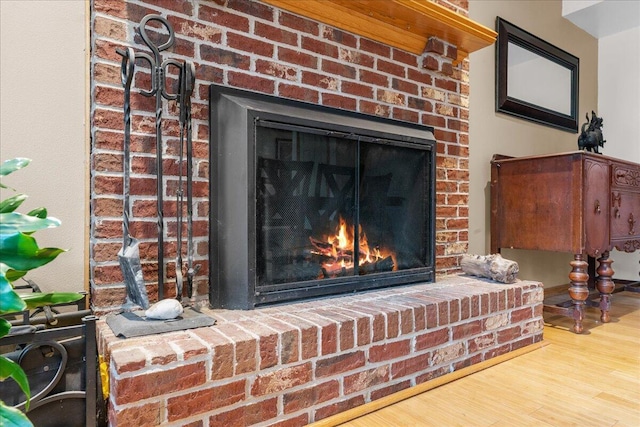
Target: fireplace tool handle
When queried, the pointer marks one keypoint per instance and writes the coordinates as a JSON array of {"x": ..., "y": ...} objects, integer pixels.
[{"x": 127, "y": 71}]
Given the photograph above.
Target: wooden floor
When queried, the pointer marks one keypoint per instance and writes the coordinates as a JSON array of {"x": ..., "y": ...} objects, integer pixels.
[{"x": 591, "y": 379}]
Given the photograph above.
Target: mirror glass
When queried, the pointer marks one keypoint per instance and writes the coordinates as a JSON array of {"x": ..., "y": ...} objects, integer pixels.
[{"x": 538, "y": 80}]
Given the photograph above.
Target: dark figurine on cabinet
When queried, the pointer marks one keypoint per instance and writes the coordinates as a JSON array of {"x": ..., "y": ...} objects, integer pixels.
[{"x": 591, "y": 136}]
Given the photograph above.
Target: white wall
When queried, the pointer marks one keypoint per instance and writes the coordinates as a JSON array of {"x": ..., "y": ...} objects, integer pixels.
[
  {"x": 619, "y": 106},
  {"x": 602, "y": 18},
  {"x": 42, "y": 113},
  {"x": 573, "y": 6},
  {"x": 495, "y": 133}
]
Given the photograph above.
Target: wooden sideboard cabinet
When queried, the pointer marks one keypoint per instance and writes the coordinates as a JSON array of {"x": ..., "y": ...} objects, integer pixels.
[{"x": 578, "y": 202}]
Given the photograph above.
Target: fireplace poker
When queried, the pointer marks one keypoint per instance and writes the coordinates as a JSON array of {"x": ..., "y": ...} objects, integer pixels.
[
  {"x": 186, "y": 84},
  {"x": 129, "y": 254},
  {"x": 179, "y": 192},
  {"x": 189, "y": 79},
  {"x": 159, "y": 91}
]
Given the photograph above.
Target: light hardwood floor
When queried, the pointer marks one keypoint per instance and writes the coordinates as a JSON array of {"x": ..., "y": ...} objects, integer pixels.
[{"x": 591, "y": 379}]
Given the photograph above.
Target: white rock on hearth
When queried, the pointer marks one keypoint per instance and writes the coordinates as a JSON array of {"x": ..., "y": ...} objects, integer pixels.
[{"x": 166, "y": 309}]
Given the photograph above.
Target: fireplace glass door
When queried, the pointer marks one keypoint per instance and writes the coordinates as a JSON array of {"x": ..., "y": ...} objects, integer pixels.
[
  {"x": 310, "y": 201},
  {"x": 331, "y": 206}
]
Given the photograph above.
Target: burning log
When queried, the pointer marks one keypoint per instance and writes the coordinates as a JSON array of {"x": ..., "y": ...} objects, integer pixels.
[
  {"x": 324, "y": 248},
  {"x": 336, "y": 270},
  {"x": 336, "y": 254},
  {"x": 331, "y": 253},
  {"x": 384, "y": 264},
  {"x": 492, "y": 266}
]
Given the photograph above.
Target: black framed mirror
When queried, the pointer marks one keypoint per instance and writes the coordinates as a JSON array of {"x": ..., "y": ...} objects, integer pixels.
[{"x": 535, "y": 80}]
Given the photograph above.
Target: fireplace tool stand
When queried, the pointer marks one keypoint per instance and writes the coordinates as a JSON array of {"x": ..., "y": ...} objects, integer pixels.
[{"x": 186, "y": 79}]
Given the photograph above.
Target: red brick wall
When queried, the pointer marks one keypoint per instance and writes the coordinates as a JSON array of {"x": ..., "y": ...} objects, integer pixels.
[{"x": 251, "y": 45}]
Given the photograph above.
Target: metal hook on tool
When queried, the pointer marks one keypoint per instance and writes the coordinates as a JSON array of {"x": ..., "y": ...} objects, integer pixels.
[
  {"x": 165, "y": 67},
  {"x": 146, "y": 57},
  {"x": 127, "y": 66},
  {"x": 158, "y": 66}
]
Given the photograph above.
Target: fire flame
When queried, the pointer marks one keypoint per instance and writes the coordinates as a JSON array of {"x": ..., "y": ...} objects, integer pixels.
[
  {"x": 342, "y": 241},
  {"x": 336, "y": 255}
]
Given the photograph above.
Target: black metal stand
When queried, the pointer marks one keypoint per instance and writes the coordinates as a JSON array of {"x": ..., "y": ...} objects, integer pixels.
[{"x": 61, "y": 365}]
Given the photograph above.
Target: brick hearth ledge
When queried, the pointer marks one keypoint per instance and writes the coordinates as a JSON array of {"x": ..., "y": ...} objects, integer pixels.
[{"x": 294, "y": 364}]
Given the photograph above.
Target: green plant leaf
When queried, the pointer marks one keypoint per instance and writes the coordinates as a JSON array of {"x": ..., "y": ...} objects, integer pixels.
[
  {"x": 10, "y": 301},
  {"x": 38, "y": 299},
  {"x": 5, "y": 325},
  {"x": 13, "y": 275},
  {"x": 11, "y": 417},
  {"x": 10, "y": 369},
  {"x": 12, "y": 203},
  {"x": 12, "y": 165},
  {"x": 21, "y": 252},
  {"x": 39, "y": 212},
  {"x": 9, "y": 273},
  {"x": 14, "y": 222}
]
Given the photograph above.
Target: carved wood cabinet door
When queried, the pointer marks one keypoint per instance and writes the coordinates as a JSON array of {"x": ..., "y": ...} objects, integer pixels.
[
  {"x": 596, "y": 207},
  {"x": 625, "y": 215},
  {"x": 625, "y": 207}
]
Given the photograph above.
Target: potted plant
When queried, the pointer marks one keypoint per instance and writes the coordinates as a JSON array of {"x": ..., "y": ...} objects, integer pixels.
[{"x": 19, "y": 253}]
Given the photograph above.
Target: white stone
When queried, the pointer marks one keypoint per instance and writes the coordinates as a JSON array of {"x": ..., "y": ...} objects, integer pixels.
[{"x": 165, "y": 309}]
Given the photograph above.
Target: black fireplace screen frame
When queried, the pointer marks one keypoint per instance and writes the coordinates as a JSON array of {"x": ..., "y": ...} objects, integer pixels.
[{"x": 235, "y": 117}]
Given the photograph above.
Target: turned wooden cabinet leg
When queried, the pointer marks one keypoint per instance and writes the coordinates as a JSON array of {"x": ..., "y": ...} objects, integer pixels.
[
  {"x": 605, "y": 285},
  {"x": 578, "y": 291}
]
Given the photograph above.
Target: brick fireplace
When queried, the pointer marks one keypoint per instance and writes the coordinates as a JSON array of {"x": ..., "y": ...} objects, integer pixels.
[
  {"x": 253, "y": 46},
  {"x": 284, "y": 365}
]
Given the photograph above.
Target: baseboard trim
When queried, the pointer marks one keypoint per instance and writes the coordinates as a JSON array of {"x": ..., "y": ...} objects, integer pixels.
[{"x": 367, "y": 408}]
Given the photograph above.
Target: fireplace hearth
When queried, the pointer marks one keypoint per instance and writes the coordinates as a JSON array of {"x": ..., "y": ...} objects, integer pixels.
[{"x": 310, "y": 201}]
